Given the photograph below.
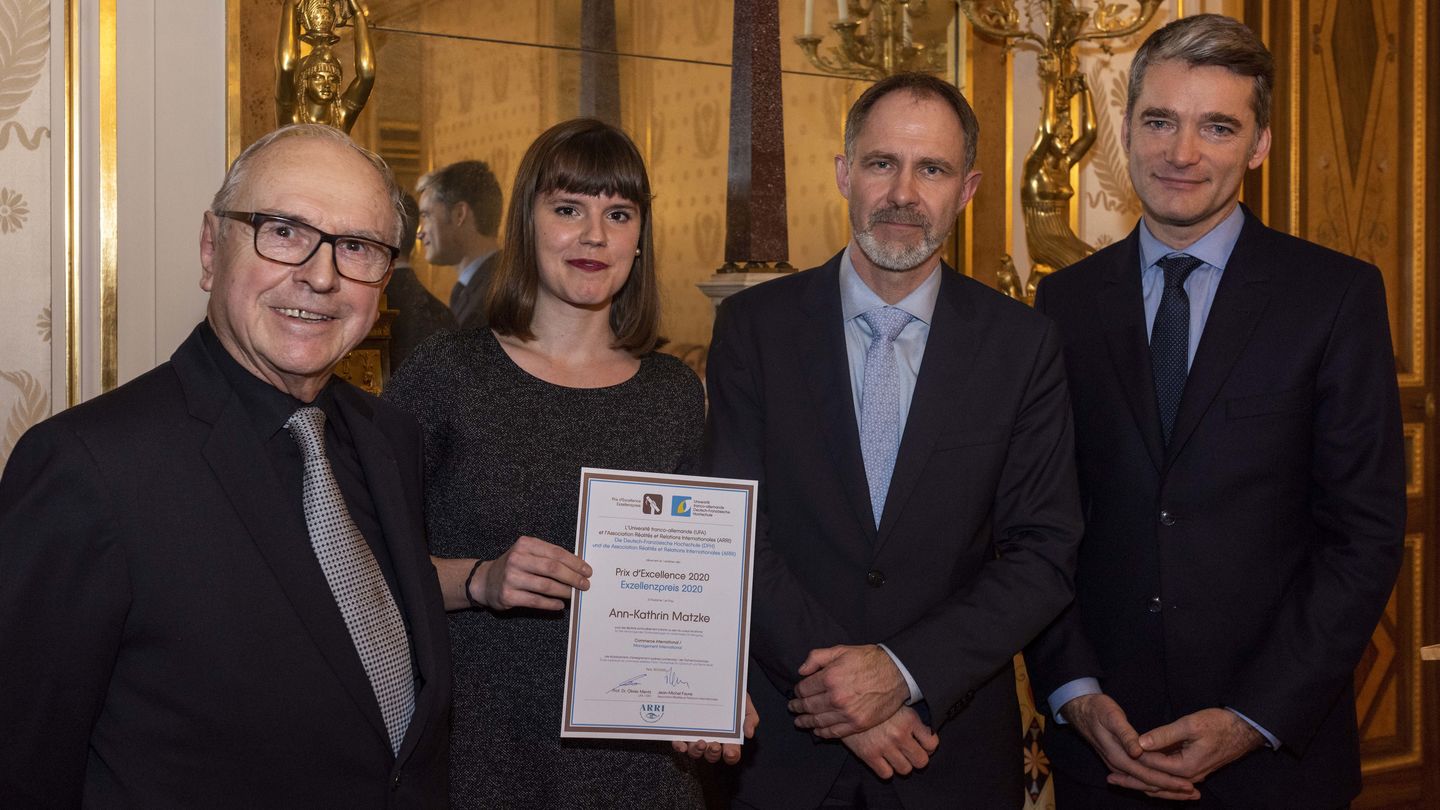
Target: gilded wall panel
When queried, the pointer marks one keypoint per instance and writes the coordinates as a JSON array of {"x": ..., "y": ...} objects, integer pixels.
[
  {"x": 26, "y": 208},
  {"x": 1387, "y": 681},
  {"x": 1358, "y": 193},
  {"x": 1348, "y": 171}
]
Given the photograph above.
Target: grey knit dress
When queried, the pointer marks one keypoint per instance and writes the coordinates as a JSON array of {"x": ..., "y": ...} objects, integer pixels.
[{"x": 503, "y": 452}]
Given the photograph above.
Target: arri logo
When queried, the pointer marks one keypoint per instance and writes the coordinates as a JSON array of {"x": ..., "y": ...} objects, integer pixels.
[
  {"x": 652, "y": 712},
  {"x": 651, "y": 504},
  {"x": 680, "y": 506}
]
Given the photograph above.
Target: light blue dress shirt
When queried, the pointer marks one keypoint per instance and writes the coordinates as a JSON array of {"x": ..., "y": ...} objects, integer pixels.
[
  {"x": 855, "y": 300},
  {"x": 468, "y": 271},
  {"x": 1214, "y": 249}
]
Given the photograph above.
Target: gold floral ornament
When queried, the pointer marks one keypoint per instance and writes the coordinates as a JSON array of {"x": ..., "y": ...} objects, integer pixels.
[
  {"x": 13, "y": 211},
  {"x": 32, "y": 406},
  {"x": 24, "y": 46}
]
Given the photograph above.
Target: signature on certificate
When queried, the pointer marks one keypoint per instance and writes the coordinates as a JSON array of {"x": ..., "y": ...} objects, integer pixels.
[
  {"x": 631, "y": 681},
  {"x": 672, "y": 678}
]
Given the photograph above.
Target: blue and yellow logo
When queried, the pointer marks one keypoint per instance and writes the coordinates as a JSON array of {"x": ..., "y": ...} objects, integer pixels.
[{"x": 680, "y": 506}]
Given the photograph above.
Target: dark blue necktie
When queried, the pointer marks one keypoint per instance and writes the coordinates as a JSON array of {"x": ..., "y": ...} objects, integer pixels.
[{"x": 1170, "y": 338}]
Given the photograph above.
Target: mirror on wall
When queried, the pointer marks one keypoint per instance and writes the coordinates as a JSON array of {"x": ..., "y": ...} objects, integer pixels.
[{"x": 479, "y": 79}]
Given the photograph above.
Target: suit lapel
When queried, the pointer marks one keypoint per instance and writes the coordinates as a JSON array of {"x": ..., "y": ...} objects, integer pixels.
[
  {"x": 468, "y": 300},
  {"x": 472, "y": 297},
  {"x": 245, "y": 475},
  {"x": 820, "y": 335},
  {"x": 1122, "y": 308},
  {"x": 1239, "y": 302},
  {"x": 945, "y": 371},
  {"x": 402, "y": 537}
]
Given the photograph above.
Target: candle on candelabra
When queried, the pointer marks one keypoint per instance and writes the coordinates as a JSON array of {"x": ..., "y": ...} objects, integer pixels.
[
  {"x": 842, "y": 8},
  {"x": 809, "y": 17},
  {"x": 905, "y": 35}
]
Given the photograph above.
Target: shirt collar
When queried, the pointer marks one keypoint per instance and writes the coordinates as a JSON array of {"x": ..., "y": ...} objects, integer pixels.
[
  {"x": 468, "y": 271},
  {"x": 1214, "y": 248},
  {"x": 268, "y": 407},
  {"x": 856, "y": 298}
]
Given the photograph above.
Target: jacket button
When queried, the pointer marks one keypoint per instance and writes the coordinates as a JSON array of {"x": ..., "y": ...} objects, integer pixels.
[
  {"x": 395, "y": 783},
  {"x": 1155, "y": 605},
  {"x": 875, "y": 578},
  {"x": 1166, "y": 518}
]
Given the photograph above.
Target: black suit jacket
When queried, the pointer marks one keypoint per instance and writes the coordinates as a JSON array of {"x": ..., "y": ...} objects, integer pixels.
[
  {"x": 1246, "y": 564},
  {"x": 167, "y": 637},
  {"x": 975, "y": 547},
  {"x": 469, "y": 307},
  {"x": 420, "y": 314}
]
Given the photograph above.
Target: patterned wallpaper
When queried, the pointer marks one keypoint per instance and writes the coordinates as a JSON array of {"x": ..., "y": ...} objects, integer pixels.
[{"x": 25, "y": 215}]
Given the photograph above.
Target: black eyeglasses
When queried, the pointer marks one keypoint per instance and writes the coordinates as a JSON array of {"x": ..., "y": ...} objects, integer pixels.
[{"x": 287, "y": 241}]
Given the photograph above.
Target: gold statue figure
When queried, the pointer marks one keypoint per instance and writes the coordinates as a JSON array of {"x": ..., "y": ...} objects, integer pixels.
[
  {"x": 307, "y": 88},
  {"x": 1046, "y": 192}
]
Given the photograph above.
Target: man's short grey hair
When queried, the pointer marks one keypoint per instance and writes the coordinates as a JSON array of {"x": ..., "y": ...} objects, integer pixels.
[
  {"x": 918, "y": 85},
  {"x": 235, "y": 178},
  {"x": 1206, "y": 40}
]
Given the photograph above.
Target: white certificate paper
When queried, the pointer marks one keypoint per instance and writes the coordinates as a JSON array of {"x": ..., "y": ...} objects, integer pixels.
[{"x": 659, "y": 644}]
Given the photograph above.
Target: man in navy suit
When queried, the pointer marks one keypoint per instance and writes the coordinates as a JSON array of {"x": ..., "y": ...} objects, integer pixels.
[
  {"x": 911, "y": 433},
  {"x": 460, "y": 208},
  {"x": 214, "y": 584},
  {"x": 1239, "y": 447}
]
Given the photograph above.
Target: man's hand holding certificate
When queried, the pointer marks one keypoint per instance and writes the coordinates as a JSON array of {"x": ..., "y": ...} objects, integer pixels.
[{"x": 658, "y": 644}]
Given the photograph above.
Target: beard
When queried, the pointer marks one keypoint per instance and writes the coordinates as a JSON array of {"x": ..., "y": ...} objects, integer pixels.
[{"x": 895, "y": 256}]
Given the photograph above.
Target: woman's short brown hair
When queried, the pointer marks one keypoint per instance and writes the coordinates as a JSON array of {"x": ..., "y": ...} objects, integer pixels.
[{"x": 579, "y": 156}]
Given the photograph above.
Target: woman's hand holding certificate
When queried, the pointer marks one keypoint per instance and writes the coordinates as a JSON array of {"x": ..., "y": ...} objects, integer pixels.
[{"x": 658, "y": 644}]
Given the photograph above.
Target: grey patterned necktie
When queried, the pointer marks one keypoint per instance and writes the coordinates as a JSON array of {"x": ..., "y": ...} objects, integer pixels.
[
  {"x": 355, "y": 580},
  {"x": 1170, "y": 338},
  {"x": 880, "y": 402}
]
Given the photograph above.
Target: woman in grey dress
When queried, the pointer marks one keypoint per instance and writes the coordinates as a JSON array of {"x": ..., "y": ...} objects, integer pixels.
[{"x": 566, "y": 376}]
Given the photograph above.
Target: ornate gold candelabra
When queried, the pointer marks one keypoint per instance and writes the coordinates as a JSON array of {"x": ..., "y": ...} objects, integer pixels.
[
  {"x": 887, "y": 46},
  {"x": 1046, "y": 193}
]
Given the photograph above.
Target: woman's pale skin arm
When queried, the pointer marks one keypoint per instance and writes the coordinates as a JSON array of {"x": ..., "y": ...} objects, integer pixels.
[{"x": 532, "y": 574}]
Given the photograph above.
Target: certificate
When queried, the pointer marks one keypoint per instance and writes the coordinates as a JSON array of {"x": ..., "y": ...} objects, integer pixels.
[{"x": 659, "y": 643}]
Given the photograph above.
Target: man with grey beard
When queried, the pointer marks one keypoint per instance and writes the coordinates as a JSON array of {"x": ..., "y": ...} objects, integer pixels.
[{"x": 911, "y": 432}]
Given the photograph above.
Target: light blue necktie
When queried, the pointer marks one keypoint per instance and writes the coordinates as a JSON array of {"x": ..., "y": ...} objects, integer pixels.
[{"x": 880, "y": 402}]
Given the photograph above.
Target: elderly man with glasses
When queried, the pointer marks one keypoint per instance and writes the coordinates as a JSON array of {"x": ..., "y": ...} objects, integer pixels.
[{"x": 214, "y": 587}]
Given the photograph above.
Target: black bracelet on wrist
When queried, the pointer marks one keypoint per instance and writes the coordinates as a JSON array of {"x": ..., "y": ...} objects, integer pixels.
[{"x": 468, "y": 597}]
